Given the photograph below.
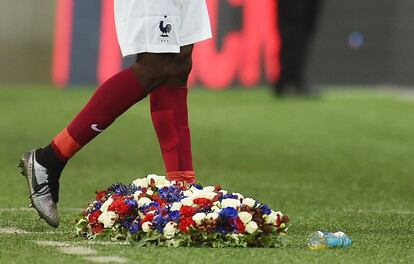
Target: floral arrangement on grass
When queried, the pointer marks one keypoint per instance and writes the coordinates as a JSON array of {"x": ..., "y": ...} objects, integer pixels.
[{"x": 155, "y": 211}]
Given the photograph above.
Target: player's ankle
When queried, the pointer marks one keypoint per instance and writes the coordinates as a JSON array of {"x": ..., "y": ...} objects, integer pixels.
[
  {"x": 50, "y": 159},
  {"x": 182, "y": 176}
]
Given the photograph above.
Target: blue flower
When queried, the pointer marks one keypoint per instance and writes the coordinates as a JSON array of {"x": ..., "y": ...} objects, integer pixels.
[
  {"x": 97, "y": 205},
  {"x": 198, "y": 186},
  {"x": 230, "y": 196},
  {"x": 228, "y": 212},
  {"x": 174, "y": 215},
  {"x": 127, "y": 222},
  {"x": 264, "y": 209},
  {"x": 159, "y": 222},
  {"x": 123, "y": 189},
  {"x": 131, "y": 203},
  {"x": 171, "y": 194},
  {"x": 134, "y": 228}
]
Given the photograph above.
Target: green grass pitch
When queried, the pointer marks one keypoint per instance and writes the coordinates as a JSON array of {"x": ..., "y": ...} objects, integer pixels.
[{"x": 342, "y": 162}]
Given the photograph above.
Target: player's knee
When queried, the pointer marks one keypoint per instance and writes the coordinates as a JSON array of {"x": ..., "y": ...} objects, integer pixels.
[{"x": 182, "y": 65}]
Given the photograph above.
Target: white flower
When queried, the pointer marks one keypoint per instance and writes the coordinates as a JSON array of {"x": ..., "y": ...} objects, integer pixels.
[
  {"x": 187, "y": 193},
  {"x": 150, "y": 192},
  {"x": 194, "y": 189},
  {"x": 160, "y": 181},
  {"x": 204, "y": 194},
  {"x": 140, "y": 183},
  {"x": 136, "y": 195},
  {"x": 170, "y": 230},
  {"x": 211, "y": 217},
  {"x": 215, "y": 209},
  {"x": 209, "y": 189},
  {"x": 143, "y": 201},
  {"x": 251, "y": 227},
  {"x": 106, "y": 204},
  {"x": 245, "y": 217},
  {"x": 108, "y": 219},
  {"x": 146, "y": 227},
  {"x": 270, "y": 218},
  {"x": 176, "y": 206},
  {"x": 239, "y": 195},
  {"x": 187, "y": 201},
  {"x": 249, "y": 202},
  {"x": 279, "y": 214},
  {"x": 224, "y": 192},
  {"x": 141, "y": 214},
  {"x": 230, "y": 203},
  {"x": 198, "y": 218}
]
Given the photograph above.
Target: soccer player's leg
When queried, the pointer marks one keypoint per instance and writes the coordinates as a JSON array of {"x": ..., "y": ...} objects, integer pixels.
[
  {"x": 43, "y": 167},
  {"x": 169, "y": 115}
]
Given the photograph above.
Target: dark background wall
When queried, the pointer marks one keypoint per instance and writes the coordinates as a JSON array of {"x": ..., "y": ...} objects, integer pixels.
[
  {"x": 26, "y": 40},
  {"x": 386, "y": 55}
]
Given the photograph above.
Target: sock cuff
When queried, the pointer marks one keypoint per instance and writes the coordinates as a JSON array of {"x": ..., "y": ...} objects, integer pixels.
[
  {"x": 64, "y": 145},
  {"x": 182, "y": 176}
]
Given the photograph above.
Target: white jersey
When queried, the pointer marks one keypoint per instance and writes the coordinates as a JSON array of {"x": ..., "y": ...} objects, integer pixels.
[{"x": 160, "y": 26}]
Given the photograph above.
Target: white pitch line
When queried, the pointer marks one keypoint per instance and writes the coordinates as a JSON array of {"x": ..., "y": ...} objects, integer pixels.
[
  {"x": 26, "y": 209},
  {"x": 12, "y": 230},
  {"x": 80, "y": 251},
  {"x": 8, "y": 230},
  {"x": 69, "y": 248},
  {"x": 106, "y": 259},
  {"x": 46, "y": 243}
]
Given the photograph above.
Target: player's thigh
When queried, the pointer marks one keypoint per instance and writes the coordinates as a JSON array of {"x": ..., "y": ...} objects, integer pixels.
[{"x": 171, "y": 69}]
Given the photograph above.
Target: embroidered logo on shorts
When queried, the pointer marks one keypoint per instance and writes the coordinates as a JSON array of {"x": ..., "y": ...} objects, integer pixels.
[{"x": 165, "y": 29}]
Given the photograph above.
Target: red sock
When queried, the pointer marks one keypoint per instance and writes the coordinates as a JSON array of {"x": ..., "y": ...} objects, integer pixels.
[
  {"x": 109, "y": 101},
  {"x": 170, "y": 119}
]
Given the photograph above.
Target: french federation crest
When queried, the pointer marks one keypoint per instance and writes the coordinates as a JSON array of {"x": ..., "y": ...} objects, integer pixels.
[{"x": 165, "y": 28}]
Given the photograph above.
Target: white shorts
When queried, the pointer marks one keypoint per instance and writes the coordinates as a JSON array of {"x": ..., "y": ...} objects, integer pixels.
[{"x": 160, "y": 26}]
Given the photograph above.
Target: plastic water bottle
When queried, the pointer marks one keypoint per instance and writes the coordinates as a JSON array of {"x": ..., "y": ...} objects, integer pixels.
[{"x": 322, "y": 240}]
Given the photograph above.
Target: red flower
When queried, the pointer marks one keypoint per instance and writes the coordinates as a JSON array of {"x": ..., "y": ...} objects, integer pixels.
[
  {"x": 202, "y": 202},
  {"x": 148, "y": 218},
  {"x": 93, "y": 218},
  {"x": 187, "y": 211},
  {"x": 97, "y": 228},
  {"x": 239, "y": 225},
  {"x": 216, "y": 198},
  {"x": 152, "y": 183},
  {"x": 278, "y": 221},
  {"x": 117, "y": 196},
  {"x": 185, "y": 223},
  {"x": 100, "y": 196},
  {"x": 119, "y": 207}
]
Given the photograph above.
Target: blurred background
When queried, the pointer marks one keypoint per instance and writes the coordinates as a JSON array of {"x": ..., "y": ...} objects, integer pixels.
[{"x": 73, "y": 43}]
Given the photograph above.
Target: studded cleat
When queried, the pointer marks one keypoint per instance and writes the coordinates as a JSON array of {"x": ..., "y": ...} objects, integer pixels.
[{"x": 42, "y": 188}]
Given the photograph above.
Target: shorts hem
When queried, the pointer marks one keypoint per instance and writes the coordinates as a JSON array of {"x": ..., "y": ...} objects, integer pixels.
[
  {"x": 166, "y": 49},
  {"x": 184, "y": 41}
]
